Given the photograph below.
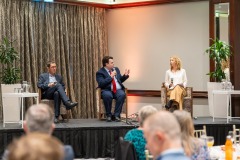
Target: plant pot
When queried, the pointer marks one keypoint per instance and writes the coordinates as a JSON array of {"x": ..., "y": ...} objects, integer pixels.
[
  {"x": 11, "y": 106},
  {"x": 219, "y": 100}
]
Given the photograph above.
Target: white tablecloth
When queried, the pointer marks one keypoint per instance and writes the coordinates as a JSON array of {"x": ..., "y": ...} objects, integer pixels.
[{"x": 217, "y": 153}]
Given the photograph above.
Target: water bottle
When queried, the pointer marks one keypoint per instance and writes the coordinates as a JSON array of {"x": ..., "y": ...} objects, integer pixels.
[
  {"x": 228, "y": 148},
  {"x": 223, "y": 84}
]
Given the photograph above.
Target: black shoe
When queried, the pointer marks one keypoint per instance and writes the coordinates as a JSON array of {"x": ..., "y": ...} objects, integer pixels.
[
  {"x": 109, "y": 119},
  {"x": 169, "y": 104},
  {"x": 175, "y": 107},
  {"x": 113, "y": 118},
  {"x": 167, "y": 107},
  {"x": 69, "y": 105},
  {"x": 56, "y": 120},
  {"x": 117, "y": 119}
]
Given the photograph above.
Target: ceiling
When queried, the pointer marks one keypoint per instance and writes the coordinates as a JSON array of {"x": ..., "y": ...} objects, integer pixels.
[
  {"x": 108, "y": 2},
  {"x": 111, "y": 4}
]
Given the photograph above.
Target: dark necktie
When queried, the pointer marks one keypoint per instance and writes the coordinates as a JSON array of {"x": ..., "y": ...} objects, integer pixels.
[{"x": 113, "y": 84}]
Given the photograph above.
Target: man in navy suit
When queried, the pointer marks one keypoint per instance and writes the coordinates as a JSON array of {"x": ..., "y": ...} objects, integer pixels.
[
  {"x": 110, "y": 81},
  {"x": 52, "y": 87},
  {"x": 163, "y": 136}
]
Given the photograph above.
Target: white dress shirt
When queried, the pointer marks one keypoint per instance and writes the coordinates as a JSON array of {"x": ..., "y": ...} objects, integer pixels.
[
  {"x": 52, "y": 78},
  {"x": 117, "y": 84}
]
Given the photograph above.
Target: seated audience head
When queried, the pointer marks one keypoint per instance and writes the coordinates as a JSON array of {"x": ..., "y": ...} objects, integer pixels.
[
  {"x": 175, "y": 62},
  {"x": 187, "y": 130},
  {"x": 162, "y": 132},
  {"x": 185, "y": 120},
  {"x": 145, "y": 112},
  {"x": 36, "y": 146},
  {"x": 39, "y": 118}
]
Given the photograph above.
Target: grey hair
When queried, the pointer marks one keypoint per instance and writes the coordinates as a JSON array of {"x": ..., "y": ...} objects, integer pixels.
[
  {"x": 163, "y": 121},
  {"x": 39, "y": 118},
  {"x": 144, "y": 112}
]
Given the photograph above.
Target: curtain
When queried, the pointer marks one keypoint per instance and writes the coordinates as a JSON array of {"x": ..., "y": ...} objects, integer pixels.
[{"x": 75, "y": 37}]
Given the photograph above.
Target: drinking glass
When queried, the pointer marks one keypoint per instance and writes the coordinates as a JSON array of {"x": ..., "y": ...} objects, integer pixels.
[
  {"x": 28, "y": 87},
  {"x": 223, "y": 84},
  {"x": 210, "y": 141},
  {"x": 24, "y": 86}
]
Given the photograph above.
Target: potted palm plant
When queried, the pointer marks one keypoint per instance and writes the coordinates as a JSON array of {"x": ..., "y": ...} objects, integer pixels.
[
  {"x": 8, "y": 56},
  {"x": 219, "y": 52}
]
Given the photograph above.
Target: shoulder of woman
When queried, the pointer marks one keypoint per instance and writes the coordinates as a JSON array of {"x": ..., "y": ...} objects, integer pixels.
[{"x": 168, "y": 71}]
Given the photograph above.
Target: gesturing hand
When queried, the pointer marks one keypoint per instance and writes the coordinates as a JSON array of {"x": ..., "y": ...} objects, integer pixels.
[{"x": 127, "y": 71}]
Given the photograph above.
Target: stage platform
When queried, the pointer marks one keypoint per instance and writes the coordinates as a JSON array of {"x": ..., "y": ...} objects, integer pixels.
[{"x": 91, "y": 138}]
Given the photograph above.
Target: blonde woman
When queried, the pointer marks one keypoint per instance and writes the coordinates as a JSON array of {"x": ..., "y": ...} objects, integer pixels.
[
  {"x": 176, "y": 82},
  {"x": 193, "y": 147},
  {"x": 136, "y": 135}
]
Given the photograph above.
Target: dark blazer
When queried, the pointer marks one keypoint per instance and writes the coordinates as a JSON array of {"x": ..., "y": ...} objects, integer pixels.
[
  {"x": 44, "y": 80},
  {"x": 125, "y": 150},
  {"x": 105, "y": 80}
]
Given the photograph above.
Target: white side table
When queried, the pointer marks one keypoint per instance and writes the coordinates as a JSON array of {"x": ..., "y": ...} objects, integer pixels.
[
  {"x": 21, "y": 96},
  {"x": 228, "y": 102}
]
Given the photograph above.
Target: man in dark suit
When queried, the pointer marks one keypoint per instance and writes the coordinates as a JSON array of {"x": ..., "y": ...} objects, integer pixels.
[
  {"x": 52, "y": 87},
  {"x": 110, "y": 81}
]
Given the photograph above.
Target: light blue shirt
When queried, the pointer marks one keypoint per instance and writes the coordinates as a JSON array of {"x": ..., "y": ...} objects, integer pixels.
[
  {"x": 172, "y": 154},
  {"x": 52, "y": 78},
  {"x": 115, "y": 79}
]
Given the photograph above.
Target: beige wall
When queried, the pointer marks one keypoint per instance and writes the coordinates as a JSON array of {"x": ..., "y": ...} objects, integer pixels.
[{"x": 143, "y": 39}]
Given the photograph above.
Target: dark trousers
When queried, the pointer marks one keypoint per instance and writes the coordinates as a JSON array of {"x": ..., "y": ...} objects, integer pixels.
[
  {"x": 108, "y": 96},
  {"x": 57, "y": 94}
]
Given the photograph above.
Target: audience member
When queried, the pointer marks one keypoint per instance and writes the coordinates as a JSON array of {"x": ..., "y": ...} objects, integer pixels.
[
  {"x": 175, "y": 81},
  {"x": 163, "y": 136},
  {"x": 39, "y": 118},
  {"x": 136, "y": 135},
  {"x": 52, "y": 87},
  {"x": 194, "y": 148},
  {"x": 36, "y": 146},
  {"x": 110, "y": 80}
]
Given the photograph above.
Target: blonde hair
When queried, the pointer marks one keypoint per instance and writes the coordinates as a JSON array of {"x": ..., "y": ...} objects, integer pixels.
[
  {"x": 177, "y": 61},
  {"x": 187, "y": 131},
  {"x": 36, "y": 146},
  {"x": 225, "y": 64},
  {"x": 144, "y": 112}
]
